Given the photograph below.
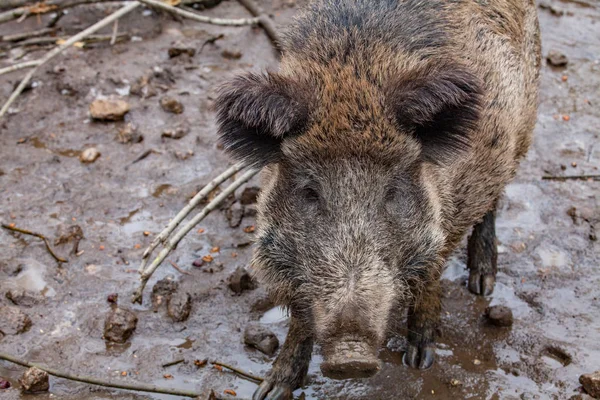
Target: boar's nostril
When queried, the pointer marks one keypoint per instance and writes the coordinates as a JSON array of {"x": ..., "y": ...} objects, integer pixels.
[{"x": 347, "y": 360}]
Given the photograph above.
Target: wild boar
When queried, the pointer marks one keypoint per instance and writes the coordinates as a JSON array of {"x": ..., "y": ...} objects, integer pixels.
[{"x": 390, "y": 129}]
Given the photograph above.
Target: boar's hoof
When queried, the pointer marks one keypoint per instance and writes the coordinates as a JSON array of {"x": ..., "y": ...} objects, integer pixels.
[
  {"x": 270, "y": 391},
  {"x": 421, "y": 358},
  {"x": 481, "y": 284}
]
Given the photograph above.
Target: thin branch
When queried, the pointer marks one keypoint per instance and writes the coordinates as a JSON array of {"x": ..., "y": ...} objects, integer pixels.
[
  {"x": 99, "y": 382},
  {"x": 265, "y": 22},
  {"x": 179, "y": 269},
  {"x": 52, "y": 53},
  {"x": 53, "y": 6},
  {"x": 201, "y": 18},
  {"x": 201, "y": 195},
  {"x": 113, "y": 39},
  {"x": 16, "y": 37},
  {"x": 171, "y": 244},
  {"x": 239, "y": 371},
  {"x": 38, "y": 235},
  {"x": 172, "y": 363},
  {"x": 571, "y": 177},
  {"x": 16, "y": 67}
]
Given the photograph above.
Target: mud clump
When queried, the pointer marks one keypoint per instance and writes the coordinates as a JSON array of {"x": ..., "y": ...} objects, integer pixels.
[
  {"x": 162, "y": 291},
  {"x": 179, "y": 306},
  {"x": 591, "y": 384},
  {"x": 90, "y": 155},
  {"x": 249, "y": 195},
  {"x": 499, "y": 316},
  {"x": 231, "y": 54},
  {"x": 172, "y": 105},
  {"x": 110, "y": 109},
  {"x": 119, "y": 325},
  {"x": 129, "y": 134},
  {"x": 241, "y": 281},
  {"x": 261, "y": 338},
  {"x": 13, "y": 321},
  {"x": 179, "y": 49},
  {"x": 176, "y": 133},
  {"x": 557, "y": 59},
  {"x": 35, "y": 380},
  {"x": 235, "y": 214},
  {"x": 20, "y": 297}
]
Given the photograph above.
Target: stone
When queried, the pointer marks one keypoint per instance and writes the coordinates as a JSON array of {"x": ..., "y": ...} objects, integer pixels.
[
  {"x": 162, "y": 291},
  {"x": 557, "y": 59},
  {"x": 109, "y": 109},
  {"x": 591, "y": 384},
  {"x": 89, "y": 155},
  {"x": 35, "y": 380},
  {"x": 13, "y": 321},
  {"x": 176, "y": 133},
  {"x": 179, "y": 49},
  {"x": 231, "y": 54},
  {"x": 129, "y": 134},
  {"x": 235, "y": 214},
  {"x": 240, "y": 281},
  {"x": 119, "y": 325},
  {"x": 261, "y": 338},
  {"x": 179, "y": 306},
  {"x": 499, "y": 316},
  {"x": 172, "y": 105},
  {"x": 249, "y": 195}
]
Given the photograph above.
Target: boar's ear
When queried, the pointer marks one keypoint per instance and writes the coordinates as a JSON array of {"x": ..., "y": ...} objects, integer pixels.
[
  {"x": 256, "y": 113},
  {"x": 440, "y": 108}
]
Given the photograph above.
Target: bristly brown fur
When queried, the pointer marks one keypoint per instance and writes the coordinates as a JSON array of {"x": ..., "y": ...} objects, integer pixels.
[{"x": 391, "y": 128}]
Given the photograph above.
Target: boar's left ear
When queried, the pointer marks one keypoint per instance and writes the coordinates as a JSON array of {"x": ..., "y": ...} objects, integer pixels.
[
  {"x": 256, "y": 112},
  {"x": 439, "y": 108}
]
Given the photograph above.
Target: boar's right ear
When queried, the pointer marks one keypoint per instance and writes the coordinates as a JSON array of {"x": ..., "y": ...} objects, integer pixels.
[{"x": 256, "y": 113}]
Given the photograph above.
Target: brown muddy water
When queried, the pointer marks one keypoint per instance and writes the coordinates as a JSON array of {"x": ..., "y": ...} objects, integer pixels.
[{"x": 549, "y": 266}]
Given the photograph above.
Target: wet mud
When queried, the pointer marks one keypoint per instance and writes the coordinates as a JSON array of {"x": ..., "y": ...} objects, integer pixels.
[{"x": 549, "y": 257}]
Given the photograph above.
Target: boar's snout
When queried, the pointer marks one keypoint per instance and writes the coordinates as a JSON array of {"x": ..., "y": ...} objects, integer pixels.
[{"x": 350, "y": 358}]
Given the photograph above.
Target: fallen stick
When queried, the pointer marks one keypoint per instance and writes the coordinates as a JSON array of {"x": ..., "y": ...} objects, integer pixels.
[
  {"x": 53, "y": 40},
  {"x": 201, "y": 195},
  {"x": 16, "y": 67},
  {"x": 239, "y": 371},
  {"x": 571, "y": 177},
  {"x": 172, "y": 363},
  {"x": 201, "y": 18},
  {"x": 52, "y": 53},
  {"x": 38, "y": 235},
  {"x": 16, "y": 37},
  {"x": 99, "y": 382},
  {"x": 265, "y": 22},
  {"x": 172, "y": 243},
  {"x": 179, "y": 269}
]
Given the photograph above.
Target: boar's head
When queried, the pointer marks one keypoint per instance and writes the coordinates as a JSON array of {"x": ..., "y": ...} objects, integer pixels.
[{"x": 350, "y": 223}]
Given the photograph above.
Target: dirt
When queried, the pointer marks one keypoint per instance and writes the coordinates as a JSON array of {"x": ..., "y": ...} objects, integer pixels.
[{"x": 549, "y": 264}]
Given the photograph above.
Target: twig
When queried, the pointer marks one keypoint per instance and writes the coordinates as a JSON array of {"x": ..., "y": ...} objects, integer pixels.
[
  {"x": 53, "y": 40},
  {"x": 239, "y": 371},
  {"x": 179, "y": 269},
  {"x": 52, "y": 53},
  {"x": 38, "y": 235},
  {"x": 164, "y": 235},
  {"x": 15, "y": 37},
  {"x": 16, "y": 67},
  {"x": 170, "y": 245},
  {"x": 170, "y": 364},
  {"x": 99, "y": 382},
  {"x": 201, "y": 18},
  {"x": 265, "y": 22},
  {"x": 113, "y": 39},
  {"x": 51, "y": 6},
  {"x": 571, "y": 177}
]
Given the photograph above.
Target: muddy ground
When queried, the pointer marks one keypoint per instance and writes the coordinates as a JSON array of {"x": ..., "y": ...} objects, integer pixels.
[{"x": 549, "y": 261}]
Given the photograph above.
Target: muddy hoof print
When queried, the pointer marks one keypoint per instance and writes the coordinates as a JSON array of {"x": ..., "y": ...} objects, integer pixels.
[
  {"x": 481, "y": 284},
  {"x": 419, "y": 358},
  {"x": 270, "y": 391}
]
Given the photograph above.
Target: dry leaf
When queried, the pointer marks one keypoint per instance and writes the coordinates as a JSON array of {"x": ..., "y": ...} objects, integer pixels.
[{"x": 42, "y": 8}]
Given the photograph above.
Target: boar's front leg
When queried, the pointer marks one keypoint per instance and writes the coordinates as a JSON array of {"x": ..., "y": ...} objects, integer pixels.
[
  {"x": 423, "y": 321},
  {"x": 483, "y": 255},
  {"x": 291, "y": 365}
]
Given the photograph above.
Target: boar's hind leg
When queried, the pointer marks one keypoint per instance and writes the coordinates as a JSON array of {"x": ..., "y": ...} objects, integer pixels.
[
  {"x": 290, "y": 367},
  {"x": 423, "y": 321},
  {"x": 483, "y": 255}
]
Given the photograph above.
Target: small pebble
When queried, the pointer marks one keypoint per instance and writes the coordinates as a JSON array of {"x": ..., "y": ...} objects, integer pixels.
[
  {"x": 110, "y": 109},
  {"x": 112, "y": 298},
  {"x": 261, "y": 338},
  {"x": 476, "y": 362},
  {"x": 4, "y": 384},
  {"x": 499, "y": 316},
  {"x": 591, "y": 383},
  {"x": 557, "y": 59},
  {"x": 35, "y": 380},
  {"x": 171, "y": 105},
  {"x": 119, "y": 325},
  {"x": 89, "y": 155}
]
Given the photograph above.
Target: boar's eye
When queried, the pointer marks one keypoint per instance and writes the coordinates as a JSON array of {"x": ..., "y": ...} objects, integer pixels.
[{"x": 309, "y": 195}]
